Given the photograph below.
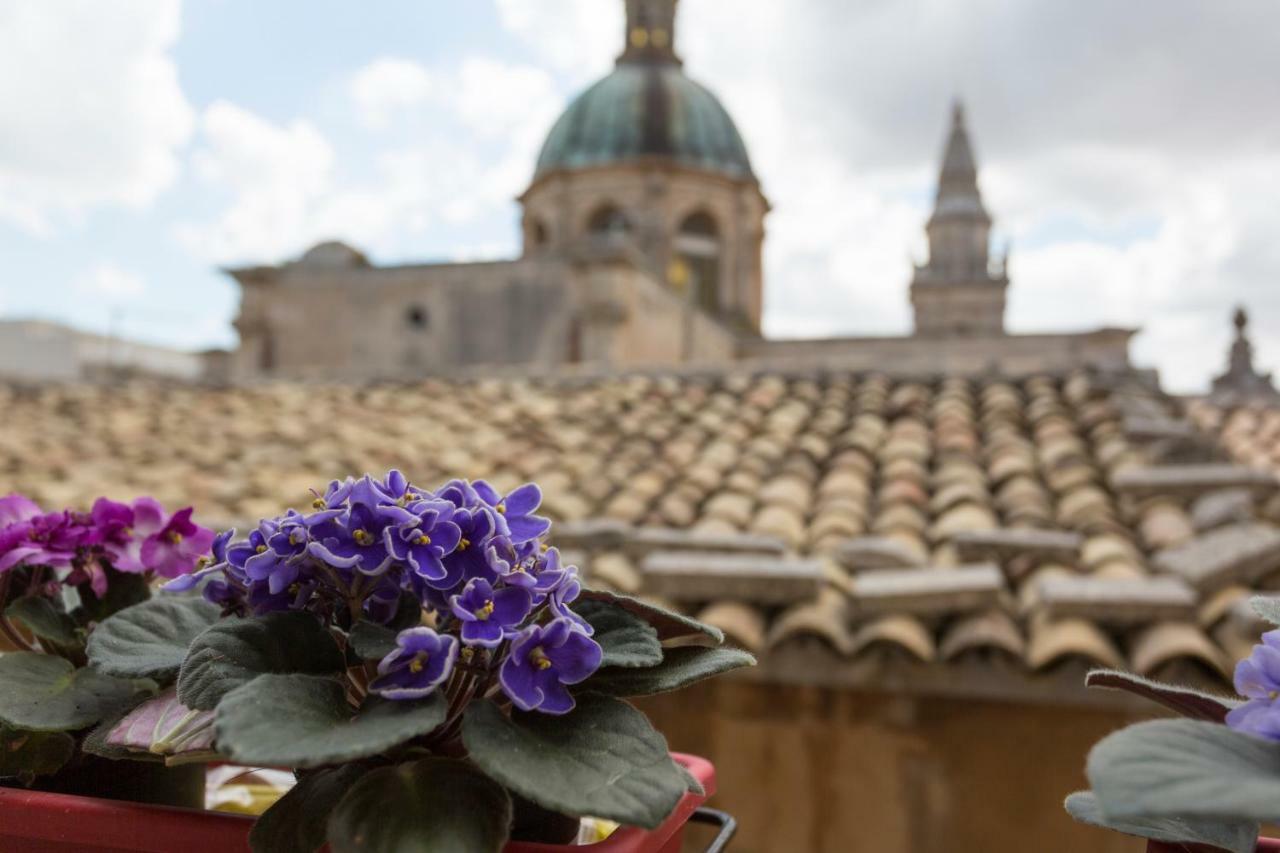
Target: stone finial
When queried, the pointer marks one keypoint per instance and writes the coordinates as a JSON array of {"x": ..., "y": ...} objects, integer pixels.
[
  {"x": 651, "y": 31},
  {"x": 1242, "y": 381}
]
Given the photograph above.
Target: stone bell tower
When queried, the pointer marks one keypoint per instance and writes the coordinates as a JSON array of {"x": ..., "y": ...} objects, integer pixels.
[{"x": 958, "y": 293}]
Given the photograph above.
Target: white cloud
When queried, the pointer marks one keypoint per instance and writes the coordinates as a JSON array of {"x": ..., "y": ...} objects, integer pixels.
[
  {"x": 454, "y": 146},
  {"x": 276, "y": 175},
  {"x": 91, "y": 107},
  {"x": 576, "y": 37},
  {"x": 1131, "y": 169},
  {"x": 388, "y": 85},
  {"x": 108, "y": 280}
]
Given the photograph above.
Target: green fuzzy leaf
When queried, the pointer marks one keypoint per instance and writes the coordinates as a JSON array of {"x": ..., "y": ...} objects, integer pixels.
[
  {"x": 626, "y": 639},
  {"x": 44, "y": 693},
  {"x": 408, "y": 613},
  {"x": 1238, "y": 836},
  {"x": 670, "y": 626},
  {"x": 1186, "y": 768},
  {"x": 26, "y": 755},
  {"x": 296, "y": 822},
  {"x": 1188, "y": 702},
  {"x": 305, "y": 721},
  {"x": 371, "y": 641},
  {"x": 124, "y": 589},
  {"x": 45, "y": 618},
  {"x": 1267, "y": 607},
  {"x": 680, "y": 667},
  {"x": 234, "y": 652},
  {"x": 436, "y": 805},
  {"x": 602, "y": 759},
  {"x": 149, "y": 640}
]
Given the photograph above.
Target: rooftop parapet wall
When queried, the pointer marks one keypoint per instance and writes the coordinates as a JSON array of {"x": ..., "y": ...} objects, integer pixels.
[{"x": 1009, "y": 355}]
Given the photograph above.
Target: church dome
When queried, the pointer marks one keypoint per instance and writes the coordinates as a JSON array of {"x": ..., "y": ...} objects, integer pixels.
[{"x": 647, "y": 108}]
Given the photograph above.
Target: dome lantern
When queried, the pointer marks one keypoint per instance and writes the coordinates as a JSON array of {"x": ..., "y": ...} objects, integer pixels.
[{"x": 651, "y": 32}]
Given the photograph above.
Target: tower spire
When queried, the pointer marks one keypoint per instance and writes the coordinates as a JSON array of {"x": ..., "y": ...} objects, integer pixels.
[
  {"x": 958, "y": 178},
  {"x": 957, "y": 292},
  {"x": 651, "y": 31}
]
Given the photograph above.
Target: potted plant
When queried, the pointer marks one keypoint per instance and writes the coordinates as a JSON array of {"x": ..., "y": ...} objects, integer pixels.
[
  {"x": 1205, "y": 782},
  {"x": 433, "y": 673},
  {"x": 62, "y": 574}
]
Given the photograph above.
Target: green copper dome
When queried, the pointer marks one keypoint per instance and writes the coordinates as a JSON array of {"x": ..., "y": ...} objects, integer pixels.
[{"x": 642, "y": 110}]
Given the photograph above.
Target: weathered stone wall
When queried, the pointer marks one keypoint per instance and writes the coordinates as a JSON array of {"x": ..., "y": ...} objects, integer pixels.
[
  {"x": 639, "y": 321},
  {"x": 835, "y": 771},
  {"x": 372, "y": 322},
  {"x": 958, "y": 308},
  {"x": 1013, "y": 355}
]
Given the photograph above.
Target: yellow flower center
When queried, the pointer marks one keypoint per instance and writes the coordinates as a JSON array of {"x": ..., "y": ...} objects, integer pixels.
[
  {"x": 539, "y": 658},
  {"x": 318, "y": 503},
  {"x": 423, "y": 539},
  {"x": 501, "y": 508},
  {"x": 485, "y": 612},
  {"x": 362, "y": 536},
  {"x": 261, "y": 549},
  {"x": 175, "y": 537},
  {"x": 419, "y": 662},
  {"x": 464, "y": 543},
  {"x": 1274, "y": 695},
  {"x": 202, "y": 562}
]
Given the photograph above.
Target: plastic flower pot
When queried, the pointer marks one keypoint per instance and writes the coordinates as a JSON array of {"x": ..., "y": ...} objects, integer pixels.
[
  {"x": 41, "y": 822},
  {"x": 1265, "y": 845}
]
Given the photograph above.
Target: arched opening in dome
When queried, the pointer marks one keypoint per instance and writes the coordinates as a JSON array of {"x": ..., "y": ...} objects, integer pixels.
[
  {"x": 699, "y": 248},
  {"x": 537, "y": 236},
  {"x": 608, "y": 220}
]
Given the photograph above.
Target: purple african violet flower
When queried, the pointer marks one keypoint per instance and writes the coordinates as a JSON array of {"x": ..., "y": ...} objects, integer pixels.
[
  {"x": 515, "y": 510},
  {"x": 421, "y": 662},
  {"x": 461, "y": 494},
  {"x": 38, "y": 538},
  {"x": 359, "y": 545},
  {"x": 470, "y": 559},
  {"x": 15, "y": 508},
  {"x": 542, "y": 660},
  {"x": 1257, "y": 678},
  {"x": 143, "y": 537},
  {"x": 488, "y": 614},
  {"x": 541, "y": 575},
  {"x": 209, "y": 565},
  {"x": 175, "y": 548},
  {"x": 383, "y": 603},
  {"x": 278, "y": 563},
  {"x": 424, "y": 542}
]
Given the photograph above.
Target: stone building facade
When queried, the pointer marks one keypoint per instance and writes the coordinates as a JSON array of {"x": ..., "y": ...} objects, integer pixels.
[{"x": 643, "y": 234}]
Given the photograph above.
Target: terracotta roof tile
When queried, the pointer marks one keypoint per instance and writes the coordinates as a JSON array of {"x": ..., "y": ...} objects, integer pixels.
[
  {"x": 663, "y": 481},
  {"x": 928, "y": 590}
]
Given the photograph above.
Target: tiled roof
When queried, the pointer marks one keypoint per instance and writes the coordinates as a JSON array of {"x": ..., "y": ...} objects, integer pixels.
[
  {"x": 1249, "y": 432},
  {"x": 846, "y": 527}
]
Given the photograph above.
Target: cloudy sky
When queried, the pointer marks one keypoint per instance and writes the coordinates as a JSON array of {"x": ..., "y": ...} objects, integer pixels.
[{"x": 1130, "y": 152}]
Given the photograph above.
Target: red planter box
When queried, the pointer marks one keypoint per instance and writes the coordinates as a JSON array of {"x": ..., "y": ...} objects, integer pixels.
[
  {"x": 34, "y": 822},
  {"x": 1265, "y": 845}
]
